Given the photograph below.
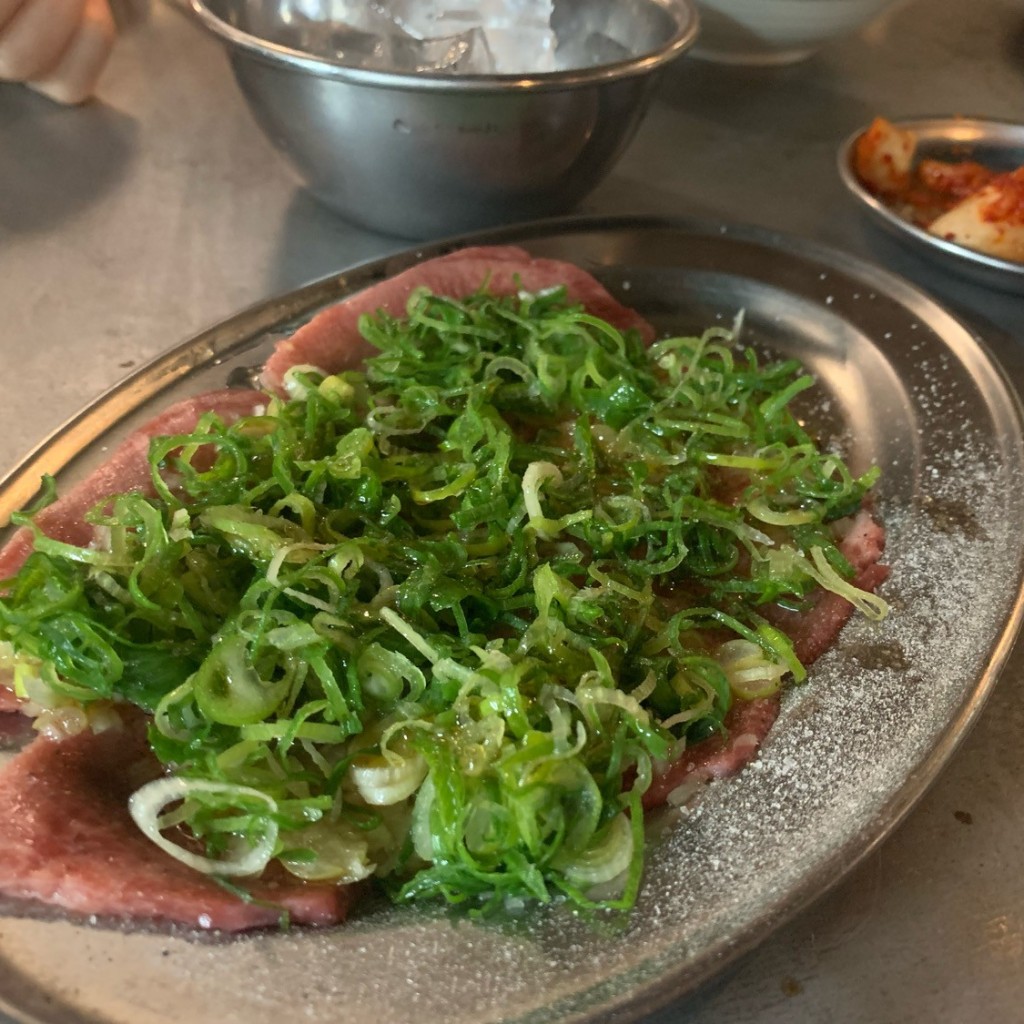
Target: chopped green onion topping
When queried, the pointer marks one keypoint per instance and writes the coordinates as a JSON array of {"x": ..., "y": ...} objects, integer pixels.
[{"x": 436, "y": 620}]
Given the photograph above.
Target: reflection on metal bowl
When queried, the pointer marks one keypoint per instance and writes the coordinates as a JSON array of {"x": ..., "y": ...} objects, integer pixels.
[{"x": 429, "y": 153}]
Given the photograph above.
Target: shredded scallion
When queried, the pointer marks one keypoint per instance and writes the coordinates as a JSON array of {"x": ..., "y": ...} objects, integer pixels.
[{"x": 436, "y": 619}]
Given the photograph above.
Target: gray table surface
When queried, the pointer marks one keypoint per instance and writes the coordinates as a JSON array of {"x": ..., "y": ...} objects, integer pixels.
[{"x": 131, "y": 224}]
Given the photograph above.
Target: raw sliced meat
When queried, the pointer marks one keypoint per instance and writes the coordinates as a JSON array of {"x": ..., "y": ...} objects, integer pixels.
[
  {"x": 747, "y": 724},
  {"x": 332, "y": 342},
  {"x": 8, "y": 702},
  {"x": 66, "y": 838},
  {"x": 126, "y": 470},
  {"x": 813, "y": 632},
  {"x": 15, "y": 732}
]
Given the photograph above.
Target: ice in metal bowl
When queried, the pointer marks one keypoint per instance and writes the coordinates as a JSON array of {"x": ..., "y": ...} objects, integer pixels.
[{"x": 432, "y": 152}]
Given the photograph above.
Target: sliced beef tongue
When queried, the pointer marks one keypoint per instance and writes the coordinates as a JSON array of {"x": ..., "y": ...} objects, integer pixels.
[
  {"x": 332, "y": 342},
  {"x": 8, "y": 702},
  {"x": 747, "y": 724},
  {"x": 66, "y": 838},
  {"x": 15, "y": 731},
  {"x": 126, "y": 470},
  {"x": 812, "y": 631}
]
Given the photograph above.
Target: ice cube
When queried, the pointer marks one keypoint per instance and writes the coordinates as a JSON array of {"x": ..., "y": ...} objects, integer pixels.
[
  {"x": 521, "y": 49},
  {"x": 335, "y": 42},
  {"x": 590, "y": 35},
  {"x": 589, "y": 51},
  {"x": 339, "y": 14},
  {"x": 428, "y": 18},
  {"x": 517, "y": 32},
  {"x": 351, "y": 31},
  {"x": 465, "y": 53},
  {"x": 456, "y": 36}
]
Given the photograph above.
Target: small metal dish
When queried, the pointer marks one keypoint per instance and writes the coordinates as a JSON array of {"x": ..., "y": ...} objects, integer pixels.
[{"x": 996, "y": 144}]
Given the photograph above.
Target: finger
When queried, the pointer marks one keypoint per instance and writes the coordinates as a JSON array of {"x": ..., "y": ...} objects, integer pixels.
[
  {"x": 8, "y": 8},
  {"x": 74, "y": 78},
  {"x": 33, "y": 41}
]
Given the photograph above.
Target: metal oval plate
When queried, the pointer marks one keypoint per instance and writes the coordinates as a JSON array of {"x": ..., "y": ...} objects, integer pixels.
[
  {"x": 903, "y": 384},
  {"x": 996, "y": 144}
]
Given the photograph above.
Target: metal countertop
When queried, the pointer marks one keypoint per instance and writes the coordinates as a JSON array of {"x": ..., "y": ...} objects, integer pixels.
[{"x": 134, "y": 222}]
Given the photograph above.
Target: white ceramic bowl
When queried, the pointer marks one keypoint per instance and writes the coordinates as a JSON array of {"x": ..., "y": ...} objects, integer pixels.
[{"x": 765, "y": 32}]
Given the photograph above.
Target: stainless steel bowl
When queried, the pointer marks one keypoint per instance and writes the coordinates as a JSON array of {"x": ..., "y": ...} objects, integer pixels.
[{"x": 421, "y": 154}]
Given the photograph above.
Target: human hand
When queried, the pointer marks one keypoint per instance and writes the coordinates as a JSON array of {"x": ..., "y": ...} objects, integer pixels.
[{"x": 58, "y": 47}]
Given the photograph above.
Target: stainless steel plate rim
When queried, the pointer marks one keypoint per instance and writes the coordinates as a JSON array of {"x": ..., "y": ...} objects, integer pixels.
[{"x": 649, "y": 982}]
